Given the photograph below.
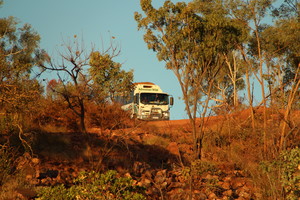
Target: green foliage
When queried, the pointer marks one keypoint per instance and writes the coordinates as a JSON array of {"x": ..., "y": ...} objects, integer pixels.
[
  {"x": 282, "y": 42},
  {"x": 77, "y": 89},
  {"x": 18, "y": 50},
  {"x": 93, "y": 185},
  {"x": 109, "y": 80},
  {"x": 290, "y": 176},
  {"x": 200, "y": 167},
  {"x": 189, "y": 36},
  {"x": 192, "y": 40},
  {"x": 55, "y": 193},
  {"x": 19, "y": 92},
  {"x": 285, "y": 171}
]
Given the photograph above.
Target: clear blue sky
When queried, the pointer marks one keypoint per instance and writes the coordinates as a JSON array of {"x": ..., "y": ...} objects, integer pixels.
[{"x": 94, "y": 21}]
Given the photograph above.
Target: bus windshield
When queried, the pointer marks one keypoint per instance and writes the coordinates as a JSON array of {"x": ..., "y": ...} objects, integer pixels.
[{"x": 154, "y": 98}]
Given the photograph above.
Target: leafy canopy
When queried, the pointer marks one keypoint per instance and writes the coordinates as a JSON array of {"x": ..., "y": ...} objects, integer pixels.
[
  {"x": 108, "y": 77},
  {"x": 18, "y": 48}
]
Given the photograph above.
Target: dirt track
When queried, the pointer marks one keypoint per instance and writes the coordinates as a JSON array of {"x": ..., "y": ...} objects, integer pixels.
[{"x": 241, "y": 116}]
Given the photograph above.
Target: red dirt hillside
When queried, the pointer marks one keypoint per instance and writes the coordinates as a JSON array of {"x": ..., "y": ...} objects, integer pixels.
[{"x": 158, "y": 156}]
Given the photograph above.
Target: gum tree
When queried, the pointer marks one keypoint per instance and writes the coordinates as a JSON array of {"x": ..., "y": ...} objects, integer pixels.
[
  {"x": 190, "y": 39},
  {"x": 252, "y": 14},
  {"x": 282, "y": 41},
  {"x": 108, "y": 77},
  {"x": 19, "y": 90},
  {"x": 272, "y": 53}
]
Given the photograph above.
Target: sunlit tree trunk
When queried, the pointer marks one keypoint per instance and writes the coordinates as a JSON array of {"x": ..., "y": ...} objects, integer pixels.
[
  {"x": 250, "y": 99},
  {"x": 291, "y": 98},
  {"x": 249, "y": 94},
  {"x": 233, "y": 72}
]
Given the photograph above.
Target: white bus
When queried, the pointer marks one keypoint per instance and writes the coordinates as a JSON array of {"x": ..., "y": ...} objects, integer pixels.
[{"x": 149, "y": 102}]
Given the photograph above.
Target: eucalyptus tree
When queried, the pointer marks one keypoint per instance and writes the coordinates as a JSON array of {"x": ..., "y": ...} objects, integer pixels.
[
  {"x": 252, "y": 14},
  {"x": 282, "y": 41},
  {"x": 19, "y": 90},
  {"x": 191, "y": 39},
  {"x": 273, "y": 50},
  {"x": 108, "y": 78},
  {"x": 227, "y": 34},
  {"x": 234, "y": 78}
]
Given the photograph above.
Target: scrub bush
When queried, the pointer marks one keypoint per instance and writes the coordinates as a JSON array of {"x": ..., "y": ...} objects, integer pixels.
[
  {"x": 93, "y": 185},
  {"x": 290, "y": 176}
]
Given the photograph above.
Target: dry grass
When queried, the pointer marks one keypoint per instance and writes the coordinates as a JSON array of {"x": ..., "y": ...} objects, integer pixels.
[{"x": 229, "y": 142}]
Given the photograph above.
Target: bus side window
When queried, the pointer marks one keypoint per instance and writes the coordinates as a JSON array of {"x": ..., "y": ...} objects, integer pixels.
[{"x": 136, "y": 99}]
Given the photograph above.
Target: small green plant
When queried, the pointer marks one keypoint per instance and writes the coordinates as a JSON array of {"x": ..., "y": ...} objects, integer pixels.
[
  {"x": 200, "y": 167},
  {"x": 93, "y": 185},
  {"x": 12, "y": 173},
  {"x": 290, "y": 176},
  {"x": 284, "y": 175},
  {"x": 58, "y": 192}
]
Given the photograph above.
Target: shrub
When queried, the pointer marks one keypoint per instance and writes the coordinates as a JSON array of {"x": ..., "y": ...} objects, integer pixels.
[
  {"x": 290, "y": 176},
  {"x": 157, "y": 140},
  {"x": 107, "y": 116},
  {"x": 284, "y": 175},
  {"x": 12, "y": 173},
  {"x": 93, "y": 185},
  {"x": 58, "y": 192},
  {"x": 198, "y": 168},
  {"x": 54, "y": 115},
  {"x": 6, "y": 163}
]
